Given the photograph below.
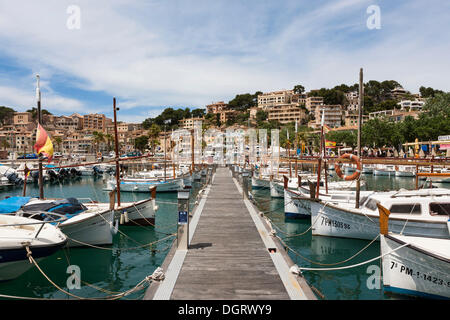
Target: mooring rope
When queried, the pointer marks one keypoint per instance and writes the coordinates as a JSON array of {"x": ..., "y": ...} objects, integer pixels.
[
  {"x": 355, "y": 265},
  {"x": 123, "y": 249},
  {"x": 156, "y": 276}
]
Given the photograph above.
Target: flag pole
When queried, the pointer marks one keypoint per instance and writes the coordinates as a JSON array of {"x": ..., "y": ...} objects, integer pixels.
[{"x": 39, "y": 116}]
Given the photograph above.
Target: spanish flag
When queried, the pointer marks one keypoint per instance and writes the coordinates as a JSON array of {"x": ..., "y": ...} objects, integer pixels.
[
  {"x": 330, "y": 144},
  {"x": 43, "y": 143}
]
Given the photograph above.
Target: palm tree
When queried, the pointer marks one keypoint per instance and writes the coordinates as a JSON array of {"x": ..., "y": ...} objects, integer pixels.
[
  {"x": 153, "y": 134},
  {"x": 109, "y": 140},
  {"x": 58, "y": 141},
  {"x": 98, "y": 138}
]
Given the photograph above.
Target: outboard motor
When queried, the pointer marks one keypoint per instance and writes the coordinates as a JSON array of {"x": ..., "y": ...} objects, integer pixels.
[
  {"x": 97, "y": 170},
  {"x": 53, "y": 175}
]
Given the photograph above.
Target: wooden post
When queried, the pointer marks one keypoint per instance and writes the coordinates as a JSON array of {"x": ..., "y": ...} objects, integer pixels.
[
  {"x": 360, "y": 106},
  {"x": 417, "y": 177},
  {"x": 289, "y": 157},
  {"x": 116, "y": 148}
]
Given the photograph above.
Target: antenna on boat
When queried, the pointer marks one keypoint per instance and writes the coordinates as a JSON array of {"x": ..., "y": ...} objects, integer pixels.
[{"x": 360, "y": 106}]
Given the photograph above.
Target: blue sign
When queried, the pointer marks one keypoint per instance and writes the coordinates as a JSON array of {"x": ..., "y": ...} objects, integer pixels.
[{"x": 182, "y": 217}]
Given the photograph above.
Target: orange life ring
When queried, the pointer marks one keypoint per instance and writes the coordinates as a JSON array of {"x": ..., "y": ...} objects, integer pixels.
[{"x": 355, "y": 160}]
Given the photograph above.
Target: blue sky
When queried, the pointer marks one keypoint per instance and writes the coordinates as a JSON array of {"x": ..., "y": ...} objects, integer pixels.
[{"x": 189, "y": 53}]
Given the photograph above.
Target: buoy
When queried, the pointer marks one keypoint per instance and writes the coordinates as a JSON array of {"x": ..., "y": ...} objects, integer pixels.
[
  {"x": 354, "y": 159},
  {"x": 126, "y": 216}
]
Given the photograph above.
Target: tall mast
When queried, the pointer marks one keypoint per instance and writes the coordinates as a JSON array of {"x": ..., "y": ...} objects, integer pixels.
[
  {"x": 319, "y": 166},
  {"x": 116, "y": 148},
  {"x": 39, "y": 116},
  {"x": 360, "y": 105}
]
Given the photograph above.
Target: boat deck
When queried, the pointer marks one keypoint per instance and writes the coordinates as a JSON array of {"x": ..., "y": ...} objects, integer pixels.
[{"x": 228, "y": 256}]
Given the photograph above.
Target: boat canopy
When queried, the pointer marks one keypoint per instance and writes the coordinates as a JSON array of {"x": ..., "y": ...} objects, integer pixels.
[
  {"x": 12, "y": 204},
  {"x": 68, "y": 207}
]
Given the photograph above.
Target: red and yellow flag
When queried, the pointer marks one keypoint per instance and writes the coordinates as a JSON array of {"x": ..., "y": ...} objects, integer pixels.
[
  {"x": 43, "y": 143},
  {"x": 330, "y": 144}
]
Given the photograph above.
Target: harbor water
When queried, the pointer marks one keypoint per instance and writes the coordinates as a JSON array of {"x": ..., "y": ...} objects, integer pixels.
[{"x": 114, "y": 269}]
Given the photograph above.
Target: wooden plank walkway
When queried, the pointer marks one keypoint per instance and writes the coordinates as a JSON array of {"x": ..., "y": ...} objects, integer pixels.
[{"x": 227, "y": 258}]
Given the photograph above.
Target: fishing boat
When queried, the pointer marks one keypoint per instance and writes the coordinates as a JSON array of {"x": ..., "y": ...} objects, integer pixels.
[
  {"x": 297, "y": 203},
  {"x": 384, "y": 170},
  {"x": 414, "y": 213},
  {"x": 138, "y": 213},
  {"x": 16, "y": 234},
  {"x": 83, "y": 223},
  {"x": 405, "y": 171},
  {"x": 144, "y": 185},
  {"x": 260, "y": 183},
  {"x": 417, "y": 266},
  {"x": 414, "y": 266},
  {"x": 86, "y": 171}
]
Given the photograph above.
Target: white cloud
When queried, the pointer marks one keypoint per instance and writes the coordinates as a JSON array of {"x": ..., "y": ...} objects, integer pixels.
[
  {"x": 182, "y": 53},
  {"x": 22, "y": 100}
]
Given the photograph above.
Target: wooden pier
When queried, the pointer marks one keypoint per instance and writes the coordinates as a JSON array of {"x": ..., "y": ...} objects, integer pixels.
[{"x": 231, "y": 255}]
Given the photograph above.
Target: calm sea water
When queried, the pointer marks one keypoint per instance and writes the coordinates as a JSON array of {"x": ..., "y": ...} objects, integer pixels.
[{"x": 119, "y": 267}]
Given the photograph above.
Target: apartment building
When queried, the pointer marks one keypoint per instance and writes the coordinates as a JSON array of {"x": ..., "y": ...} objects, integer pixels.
[
  {"x": 97, "y": 122},
  {"x": 351, "y": 119},
  {"x": 285, "y": 113},
  {"x": 311, "y": 104},
  {"x": 274, "y": 98},
  {"x": 22, "y": 118},
  {"x": 188, "y": 123},
  {"x": 73, "y": 122},
  {"x": 411, "y": 105},
  {"x": 216, "y": 107},
  {"x": 333, "y": 115}
]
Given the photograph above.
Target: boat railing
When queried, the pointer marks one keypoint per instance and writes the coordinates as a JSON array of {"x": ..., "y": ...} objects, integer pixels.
[{"x": 42, "y": 223}]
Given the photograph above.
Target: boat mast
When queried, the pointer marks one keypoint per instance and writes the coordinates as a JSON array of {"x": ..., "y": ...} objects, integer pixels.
[
  {"x": 39, "y": 116},
  {"x": 319, "y": 166},
  {"x": 116, "y": 148},
  {"x": 360, "y": 105}
]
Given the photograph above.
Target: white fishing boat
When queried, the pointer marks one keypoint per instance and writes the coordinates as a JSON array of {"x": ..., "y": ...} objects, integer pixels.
[
  {"x": 297, "y": 203},
  {"x": 414, "y": 266},
  {"x": 144, "y": 185},
  {"x": 367, "y": 169},
  {"x": 384, "y": 170},
  {"x": 17, "y": 233},
  {"x": 138, "y": 213},
  {"x": 405, "y": 171},
  {"x": 86, "y": 171},
  {"x": 260, "y": 183},
  {"x": 417, "y": 266},
  {"x": 416, "y": 213}
]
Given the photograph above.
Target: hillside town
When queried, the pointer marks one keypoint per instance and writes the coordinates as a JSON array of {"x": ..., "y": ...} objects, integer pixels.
[{"x": 94, "y": 133}]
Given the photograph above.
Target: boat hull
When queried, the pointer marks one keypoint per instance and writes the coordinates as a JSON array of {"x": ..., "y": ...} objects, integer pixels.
[
  {"x": 413, "y": 272},
  {"x": 296, "y": 206},
  {"x": 329, "y": 220},
  {"x": 89, "y": 229},
  {"x": 140, "y": 213},
  {"x": 259, "y": 183},
  {"x": 276, "y": 190},
  {"x": 14, "y": 262},
  {"x": 144, "y": 186}
]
